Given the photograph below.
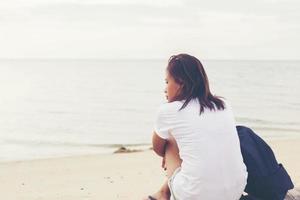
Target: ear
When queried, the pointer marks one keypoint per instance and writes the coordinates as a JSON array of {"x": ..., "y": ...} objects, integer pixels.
[
  {"x": 179, "y": 82},
  {"x": 180, "y": 88}
]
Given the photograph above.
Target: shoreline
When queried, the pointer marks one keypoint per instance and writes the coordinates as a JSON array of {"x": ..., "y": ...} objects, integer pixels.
[
  {"x": 109, "y": 149},
  {"x": 131, "y": 148},
  {"x": 126, "y": 151}
]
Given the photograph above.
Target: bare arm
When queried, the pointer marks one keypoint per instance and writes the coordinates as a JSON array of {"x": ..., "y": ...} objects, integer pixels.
[{"x": 159, "y": 144}]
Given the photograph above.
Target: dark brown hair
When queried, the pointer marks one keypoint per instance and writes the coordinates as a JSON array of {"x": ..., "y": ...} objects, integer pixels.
[{"x": 189, "y": 73}]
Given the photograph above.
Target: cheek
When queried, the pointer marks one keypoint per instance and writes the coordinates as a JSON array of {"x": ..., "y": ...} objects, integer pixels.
[
  {"x": 169, "y": 88},
  {"x": 172, "y": 89}
]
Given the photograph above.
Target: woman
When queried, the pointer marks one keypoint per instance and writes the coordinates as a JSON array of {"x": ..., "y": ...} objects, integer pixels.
[{"x": 196, "y": 136}]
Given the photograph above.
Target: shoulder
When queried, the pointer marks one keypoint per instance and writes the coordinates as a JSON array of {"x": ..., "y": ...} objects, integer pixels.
[
  {"x": 166, "y": 118},
  {"x": 168, "y": 111},
  {"x": 170, "y": 107}
]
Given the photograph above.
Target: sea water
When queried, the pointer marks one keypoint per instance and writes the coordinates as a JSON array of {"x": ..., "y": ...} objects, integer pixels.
[{"x": 51, "y": 108}]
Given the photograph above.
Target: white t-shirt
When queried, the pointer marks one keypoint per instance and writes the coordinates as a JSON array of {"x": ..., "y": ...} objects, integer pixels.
[{"x": 212, "y": 165}]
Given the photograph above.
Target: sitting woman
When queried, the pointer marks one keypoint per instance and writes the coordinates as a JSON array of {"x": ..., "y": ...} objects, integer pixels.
[{"x": 195, "y": 134}]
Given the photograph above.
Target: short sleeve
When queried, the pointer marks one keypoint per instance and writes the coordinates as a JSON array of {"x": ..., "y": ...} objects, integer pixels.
[{"x": 164, "y": 121}]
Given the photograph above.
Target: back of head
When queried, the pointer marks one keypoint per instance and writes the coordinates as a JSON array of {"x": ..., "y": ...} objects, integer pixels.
[{"x": 189, "y": 73}]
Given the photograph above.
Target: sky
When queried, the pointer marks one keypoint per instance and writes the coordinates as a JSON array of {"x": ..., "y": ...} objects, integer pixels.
[{"x": 150, "y": 29}]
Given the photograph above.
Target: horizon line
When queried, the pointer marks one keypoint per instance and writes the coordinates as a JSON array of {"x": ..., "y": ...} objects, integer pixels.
[{"x": 137, "y": 59}]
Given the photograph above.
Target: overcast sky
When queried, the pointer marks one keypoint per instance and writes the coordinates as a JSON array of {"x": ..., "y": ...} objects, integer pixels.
[{"x": 121, "y": 29}]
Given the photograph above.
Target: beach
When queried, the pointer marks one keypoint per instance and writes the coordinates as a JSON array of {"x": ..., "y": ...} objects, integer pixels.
[
  {"x": 126, "y": 176},
  {"x": 84, "y": 85}
]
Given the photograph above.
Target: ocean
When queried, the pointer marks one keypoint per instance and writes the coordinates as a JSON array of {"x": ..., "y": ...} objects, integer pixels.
[{"x": 54, "y": 108}]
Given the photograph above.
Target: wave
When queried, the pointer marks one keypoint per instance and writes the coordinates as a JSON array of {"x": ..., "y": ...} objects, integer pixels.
[
  {"x": 261, "y": 121},
  {"x": 72, "y": 144},
  {"x": 275, "y": 129}
]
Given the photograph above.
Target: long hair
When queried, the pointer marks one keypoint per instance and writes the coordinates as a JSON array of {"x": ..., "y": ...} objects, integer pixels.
[{"x": 189, "y": 73}]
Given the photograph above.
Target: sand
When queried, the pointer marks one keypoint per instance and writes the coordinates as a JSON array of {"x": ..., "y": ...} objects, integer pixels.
[{"x": 127, "y": 176}]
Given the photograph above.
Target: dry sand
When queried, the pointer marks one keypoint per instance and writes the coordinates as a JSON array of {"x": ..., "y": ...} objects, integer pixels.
[{"x": 128, "y": 176}]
